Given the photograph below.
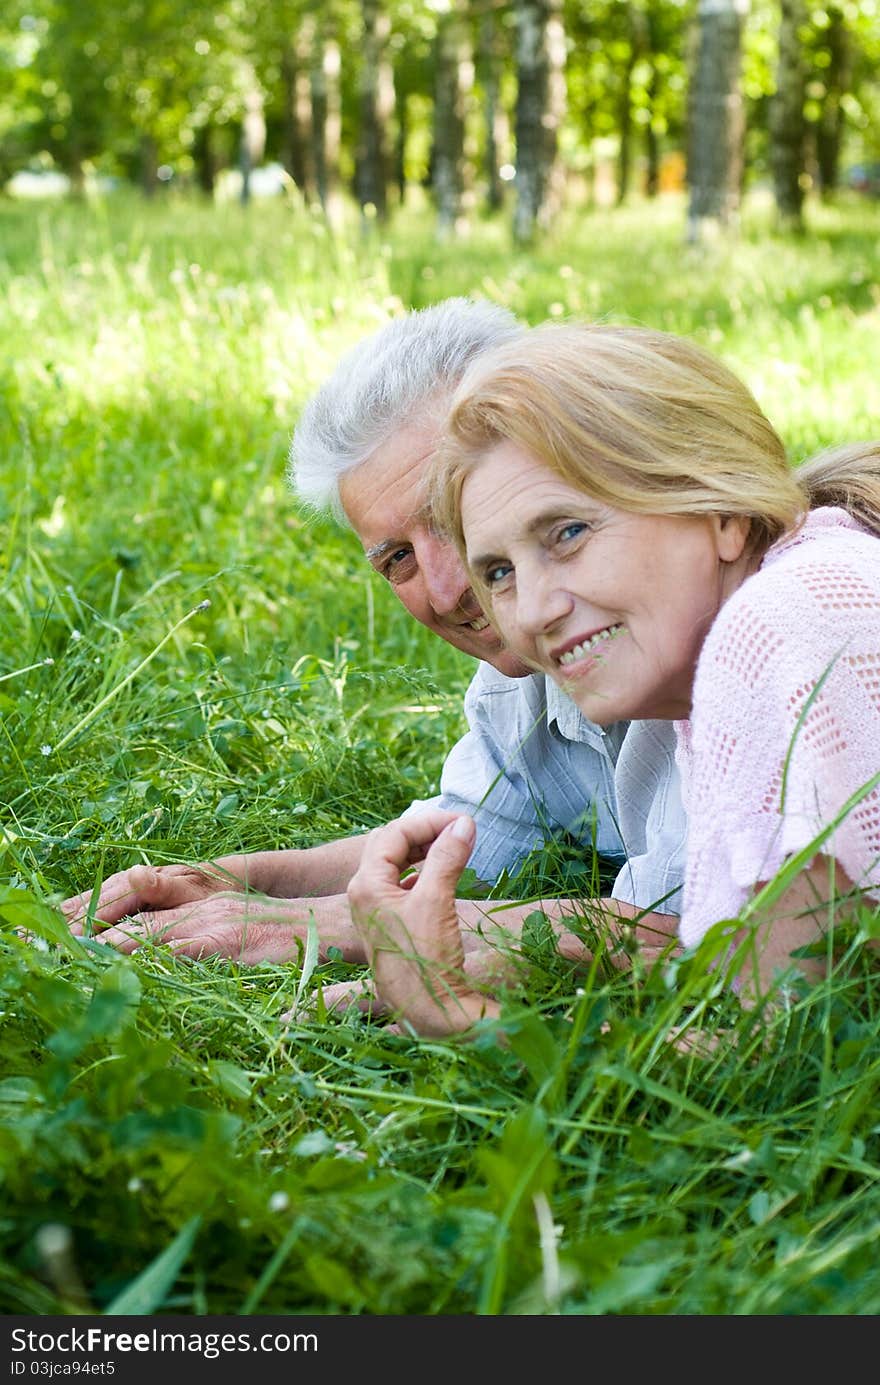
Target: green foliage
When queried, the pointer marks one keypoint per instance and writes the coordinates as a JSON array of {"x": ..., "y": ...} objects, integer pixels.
[
  {"x": 126, "y": 88},
  {"x": 167, "y": 1144}
]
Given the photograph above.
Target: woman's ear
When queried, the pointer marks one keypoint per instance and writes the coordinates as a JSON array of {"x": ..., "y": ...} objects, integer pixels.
[{"x": 731, "y": 536}]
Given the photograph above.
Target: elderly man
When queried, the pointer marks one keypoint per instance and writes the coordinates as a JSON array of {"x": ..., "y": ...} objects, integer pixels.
[{"x": 529, "y": 765}]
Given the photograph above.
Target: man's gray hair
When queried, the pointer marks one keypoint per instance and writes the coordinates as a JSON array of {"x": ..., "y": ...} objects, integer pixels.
[{"x": 384, "y": 383}]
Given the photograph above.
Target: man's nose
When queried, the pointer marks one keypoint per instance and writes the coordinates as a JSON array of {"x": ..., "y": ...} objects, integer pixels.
[{"x": 446, "y": 580}]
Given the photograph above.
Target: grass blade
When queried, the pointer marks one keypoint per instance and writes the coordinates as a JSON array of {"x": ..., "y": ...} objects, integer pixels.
[{"x": 147, "y": 1293}]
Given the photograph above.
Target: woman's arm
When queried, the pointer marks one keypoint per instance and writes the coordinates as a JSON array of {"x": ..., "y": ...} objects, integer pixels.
[
  {"x": 803, "y": 915},
  {"x": 424, "y": 965}
]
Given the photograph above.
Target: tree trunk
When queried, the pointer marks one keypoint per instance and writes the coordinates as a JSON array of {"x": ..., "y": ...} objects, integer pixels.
[
  {"x": 297, "y": 151},
  {"x": 652, "y": 144},
  {"x": 716, "y": 121},
  {"x": 540, "y": 102},
  {"x": 837, "y": 78},
  {"x": 252, "y": 144},
  {"x": 206, "y": 159},
  {"x": 643, "y": 39},
  {"x": 453, "y": 70},
  {"x": 788, "y": 127},
  {"x": 375, "y": 108},
  {"x": 149, "y": 165},
  {"x": 624, "y": 125},
  {"x": 74, "y": 166},
  {"x": 400, "y": 150},
  {"x": 494, "y": 116},
  {"x": 326, "y": 133}
]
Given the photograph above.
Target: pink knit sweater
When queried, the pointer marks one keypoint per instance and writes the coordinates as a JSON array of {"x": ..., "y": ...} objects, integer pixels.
[{"x": 812, "y": 608}]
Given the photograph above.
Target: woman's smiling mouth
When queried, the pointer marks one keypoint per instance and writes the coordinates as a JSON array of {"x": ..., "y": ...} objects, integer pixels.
[{"x": 578, "y": 651}]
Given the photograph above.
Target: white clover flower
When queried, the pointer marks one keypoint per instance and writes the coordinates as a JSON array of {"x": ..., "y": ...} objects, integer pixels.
[
  {"x": 279, "y": 1202},
  {"x": 45, "y": 750}
]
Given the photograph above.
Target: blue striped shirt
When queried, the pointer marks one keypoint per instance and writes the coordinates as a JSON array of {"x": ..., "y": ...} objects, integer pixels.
[{"x": 530, "y": 765}]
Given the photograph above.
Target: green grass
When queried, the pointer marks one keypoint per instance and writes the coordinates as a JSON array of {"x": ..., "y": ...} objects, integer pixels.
[{"x": 153, "y": 359}]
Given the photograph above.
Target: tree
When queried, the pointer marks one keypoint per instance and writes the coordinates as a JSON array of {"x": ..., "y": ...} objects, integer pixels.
[
  {"x": 252, "y": 141},
  {"x": 376, "y": 90},
  {"x": 327, "y": 125},
  {"x": 716, "y": 122},
  {"x": 453, "y": 80},
  {"x": 787, "y": 122},
  {"x": 296, "y": 64},
  {"x": 833, "y": 61},
  {"x": 495, "y": 123},
  {"x": 540, "y": 104}
]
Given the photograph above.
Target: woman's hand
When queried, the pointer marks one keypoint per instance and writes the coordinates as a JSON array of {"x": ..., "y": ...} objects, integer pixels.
[{"x": 410, "y": 929}]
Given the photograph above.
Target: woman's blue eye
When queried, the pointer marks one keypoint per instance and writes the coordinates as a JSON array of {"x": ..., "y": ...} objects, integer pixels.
[
  {"x": 497, "y": 574},
  {"x": 571, "y": 531}
]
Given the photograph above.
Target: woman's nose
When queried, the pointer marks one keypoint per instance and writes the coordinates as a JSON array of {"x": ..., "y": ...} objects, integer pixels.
[{"x": 540, "y": 601}]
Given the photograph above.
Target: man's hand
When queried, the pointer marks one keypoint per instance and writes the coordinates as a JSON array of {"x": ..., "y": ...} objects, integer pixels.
[
  {"x": 410, "y": 929},
  {"x": 291, "y": 874},
  {"x": 243, "y": 928},
  {"x": 156, "y": 888}
]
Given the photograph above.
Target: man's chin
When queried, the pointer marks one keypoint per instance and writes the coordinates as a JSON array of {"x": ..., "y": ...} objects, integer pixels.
[
  {"x": 486, "y": 645},
  {"x": 507, "y": 663}
]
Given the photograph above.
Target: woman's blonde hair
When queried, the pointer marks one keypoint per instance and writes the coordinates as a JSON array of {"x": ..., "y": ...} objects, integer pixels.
[{"x": 645, "y": 421}]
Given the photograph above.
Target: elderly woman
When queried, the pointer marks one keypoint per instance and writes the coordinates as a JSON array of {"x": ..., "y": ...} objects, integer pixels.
[{"x": 631, "y": 523}]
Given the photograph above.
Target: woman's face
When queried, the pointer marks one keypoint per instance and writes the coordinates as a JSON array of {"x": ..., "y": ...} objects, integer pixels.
[{"x": 614, "y": 606}]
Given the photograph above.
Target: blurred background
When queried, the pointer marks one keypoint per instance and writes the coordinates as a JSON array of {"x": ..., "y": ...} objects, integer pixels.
[{"x": 475, "y": 104}]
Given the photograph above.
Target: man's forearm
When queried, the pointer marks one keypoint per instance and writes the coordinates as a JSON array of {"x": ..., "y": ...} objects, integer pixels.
[{"x": 294, "y": 873}]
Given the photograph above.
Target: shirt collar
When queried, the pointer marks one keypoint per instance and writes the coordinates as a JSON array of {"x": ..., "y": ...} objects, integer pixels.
[{"x": 572, "y": 725}]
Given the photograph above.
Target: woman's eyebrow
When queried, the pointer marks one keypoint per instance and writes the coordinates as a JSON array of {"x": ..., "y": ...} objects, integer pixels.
[{"x": 538, "y": 522}]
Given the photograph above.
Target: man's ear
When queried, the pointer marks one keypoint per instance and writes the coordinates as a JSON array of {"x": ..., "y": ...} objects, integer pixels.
[{"x": 731, "y": 536}]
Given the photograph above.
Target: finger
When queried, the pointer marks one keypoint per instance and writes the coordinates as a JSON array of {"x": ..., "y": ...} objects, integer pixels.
[
  {"x": 130, "y": 892},
  {"x": 446, "y": 859},
  {"x": 338, "y": 999},
  {"x": 245, "y": 943},
  {"x": 106, "y": 903},
  {"x": 360, "y": 995},
  {"x": 133, "y": 932},
  {"x": 490, "y": 968},
  {"x": 388, "y": 850},
  {"x": 119, "y": 896}
]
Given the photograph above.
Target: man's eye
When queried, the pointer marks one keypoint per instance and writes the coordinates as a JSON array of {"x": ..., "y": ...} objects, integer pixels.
[{"x": 399, "y": 565}]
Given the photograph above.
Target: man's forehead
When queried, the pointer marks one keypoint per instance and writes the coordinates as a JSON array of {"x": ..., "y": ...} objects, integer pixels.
[
  {"x": 384, "y": 497},
  {"x": 403, "y": 525}
]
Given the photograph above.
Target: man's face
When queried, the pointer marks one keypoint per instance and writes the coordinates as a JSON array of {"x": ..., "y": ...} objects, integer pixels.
[{"x": 384, "y": 503}]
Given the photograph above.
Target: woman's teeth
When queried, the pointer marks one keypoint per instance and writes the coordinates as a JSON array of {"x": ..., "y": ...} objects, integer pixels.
[
  {"x": 481, "y": 623},
  {"x": 572, "y": 655}
]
